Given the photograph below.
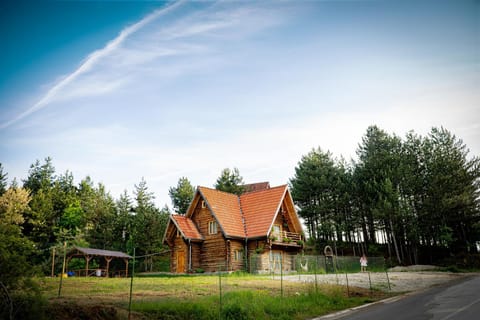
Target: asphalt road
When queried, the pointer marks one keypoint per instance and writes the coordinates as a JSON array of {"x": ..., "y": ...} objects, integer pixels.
[{"x": 456, "y": 300}]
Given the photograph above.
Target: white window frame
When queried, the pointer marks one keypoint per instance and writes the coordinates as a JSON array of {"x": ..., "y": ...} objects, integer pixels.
[
  {"x": 235, "y": 255},
  {"x": 277, "y": 230},
  {"x": 212, "y": 227}
]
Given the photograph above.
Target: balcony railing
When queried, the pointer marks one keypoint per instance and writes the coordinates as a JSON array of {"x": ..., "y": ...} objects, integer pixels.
[{"x": 285, "y": 237}]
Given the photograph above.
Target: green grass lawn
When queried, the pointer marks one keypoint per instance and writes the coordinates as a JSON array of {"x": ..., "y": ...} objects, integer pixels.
[{"x": 196, "y": 297}]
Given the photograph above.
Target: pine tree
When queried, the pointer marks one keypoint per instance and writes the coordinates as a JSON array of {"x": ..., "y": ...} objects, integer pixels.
[
  {"x": 182, "y": 195},
  {"x": 230, "y": 181}
]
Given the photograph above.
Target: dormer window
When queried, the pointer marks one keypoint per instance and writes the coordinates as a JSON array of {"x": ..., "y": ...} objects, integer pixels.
[{"x": 212, "y": 227}]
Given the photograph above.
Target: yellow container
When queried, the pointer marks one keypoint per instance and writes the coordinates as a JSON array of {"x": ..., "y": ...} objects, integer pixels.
[{"x": 64, "y": 275}]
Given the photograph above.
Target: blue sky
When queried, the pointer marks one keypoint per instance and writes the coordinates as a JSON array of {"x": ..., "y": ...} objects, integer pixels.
[{"x": 121, "y": 90}]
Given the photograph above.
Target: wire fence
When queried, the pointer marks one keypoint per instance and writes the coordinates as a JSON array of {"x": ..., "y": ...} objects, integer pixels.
[
  {"x": 303, "y": 264},
  {"x": 284, "y": 268},
  {"x": 321, "y": 269},
  {"x": 314, "y": 270}
]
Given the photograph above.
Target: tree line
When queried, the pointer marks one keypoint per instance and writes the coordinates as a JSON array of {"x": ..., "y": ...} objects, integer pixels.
[
  {"x": 48, "y": 209},
  {"x": 418, "y": 196}
]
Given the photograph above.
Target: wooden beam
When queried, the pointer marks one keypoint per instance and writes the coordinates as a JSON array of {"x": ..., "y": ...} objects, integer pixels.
[
  {"x": 87, "y": 259},
  {"x": 126, "y": 267},
  {"x": 108, "y": 259},
  {"x": 53, "y": 262}
]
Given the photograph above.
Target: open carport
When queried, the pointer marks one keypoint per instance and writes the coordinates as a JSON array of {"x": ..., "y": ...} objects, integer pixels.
[{"x": 107, "y": 255}]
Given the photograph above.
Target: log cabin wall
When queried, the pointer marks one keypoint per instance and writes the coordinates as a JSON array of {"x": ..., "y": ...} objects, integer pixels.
[
  {"x": 279, "y": 220},
  {"x": 213, "y": 251},
  {"x": 288, "y": 261},
  {"x": 258, "y": 253},
  {"x": 196, "y": 249},
  {"x": 256, "y": 246},
  {"x": 262, "y": 263},
  {"x": 237, "y": 255},
  {"x": 282, "y": 218}
]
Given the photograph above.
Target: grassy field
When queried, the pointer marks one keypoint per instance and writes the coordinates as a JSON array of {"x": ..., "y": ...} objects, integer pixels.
[{"x": 196, "y": 297}]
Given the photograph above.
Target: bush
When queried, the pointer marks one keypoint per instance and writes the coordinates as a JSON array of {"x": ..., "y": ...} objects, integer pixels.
[
  {"x": 235, "y": 312},
  {"x": 26, "y": 302}
]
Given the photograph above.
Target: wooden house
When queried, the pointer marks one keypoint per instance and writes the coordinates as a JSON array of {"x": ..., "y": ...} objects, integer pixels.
[{"x": 257, "y": 231}]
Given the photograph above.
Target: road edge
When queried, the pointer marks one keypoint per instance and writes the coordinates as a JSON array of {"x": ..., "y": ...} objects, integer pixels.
[{"x": 342, "y": 313}]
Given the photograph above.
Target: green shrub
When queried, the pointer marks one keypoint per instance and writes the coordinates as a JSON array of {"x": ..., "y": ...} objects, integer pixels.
[
  {"x": 235, "y": 312},
  {"x": 27, "y": 302}
]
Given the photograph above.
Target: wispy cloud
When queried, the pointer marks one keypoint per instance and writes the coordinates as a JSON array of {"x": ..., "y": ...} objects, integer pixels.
[
  {"x": 89, "y": 63},
  {"x": 251, "y": 84},
  {"x": 191, "y": 38}
]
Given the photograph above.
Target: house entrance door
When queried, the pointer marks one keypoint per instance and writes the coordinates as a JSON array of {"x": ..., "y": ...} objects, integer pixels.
[{"x": 181, "y": 261}]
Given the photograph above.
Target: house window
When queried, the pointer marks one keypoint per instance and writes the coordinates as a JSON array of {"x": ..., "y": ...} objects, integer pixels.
[
  {"x": 204, "y": 204},
  {"x": 212, "y": 227},
  {"x": 276, "y": 230},
  {"x": 237, "y": 255}
]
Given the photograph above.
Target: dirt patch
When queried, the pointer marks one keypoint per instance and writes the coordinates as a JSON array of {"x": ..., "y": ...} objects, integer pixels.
[
  {"x": 414, "y": 268},
  {"x": 74, "y": 311}
]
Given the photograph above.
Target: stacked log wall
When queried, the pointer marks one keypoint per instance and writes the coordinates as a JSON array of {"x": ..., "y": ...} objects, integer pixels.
[
  {"x": 213, "y": 250},
  {"x": 196, "y": 248},
  {"x": 239, "y": 263}
]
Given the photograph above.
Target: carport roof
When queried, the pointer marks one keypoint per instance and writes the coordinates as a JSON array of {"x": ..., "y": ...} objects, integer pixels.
[{"x": 103, "y": 253}]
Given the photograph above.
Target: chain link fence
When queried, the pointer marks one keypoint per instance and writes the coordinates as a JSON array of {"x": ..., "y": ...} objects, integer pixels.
[{"x": 323, "y": 269}]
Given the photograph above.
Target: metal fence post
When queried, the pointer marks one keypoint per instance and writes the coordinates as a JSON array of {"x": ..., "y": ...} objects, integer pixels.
[
  {"x": 63, "y": 268},
  {"x": 348, "y": 289},
  {"x": 281, "y": 276},
  {"x": 131, "y": 286},
  {"x": 220, "y": 290},
  {"x": 370, "y": 281},
  {"x": 386, "y": 272}
]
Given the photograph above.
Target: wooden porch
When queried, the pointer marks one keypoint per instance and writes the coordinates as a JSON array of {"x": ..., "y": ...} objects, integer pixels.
[{"x": 286, "y": 238}]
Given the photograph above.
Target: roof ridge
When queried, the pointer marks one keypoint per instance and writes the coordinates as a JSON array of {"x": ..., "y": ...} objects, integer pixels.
[
  {"x": 243, "y": 217},
  {"x": 220, "y": 191},
  {"x": 265, "y": 190}
]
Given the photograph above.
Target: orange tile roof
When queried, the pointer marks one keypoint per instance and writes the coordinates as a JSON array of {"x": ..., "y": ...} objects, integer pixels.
[
  {"x": 187, "y": 227},
  {"x": 248, "y": 216},
  {"x": 226, "y": 208},
  {"x": 259, "y": 209}
]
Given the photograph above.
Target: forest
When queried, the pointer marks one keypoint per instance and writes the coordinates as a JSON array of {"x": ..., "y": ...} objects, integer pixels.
[{"x": 413, "y": 200}]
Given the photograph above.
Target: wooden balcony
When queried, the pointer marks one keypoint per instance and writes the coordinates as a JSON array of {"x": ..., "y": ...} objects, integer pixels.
[{"x": 287, "y": 238}]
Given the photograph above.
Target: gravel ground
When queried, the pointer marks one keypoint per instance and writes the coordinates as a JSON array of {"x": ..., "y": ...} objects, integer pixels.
[{"x": 399, "y": 281}]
